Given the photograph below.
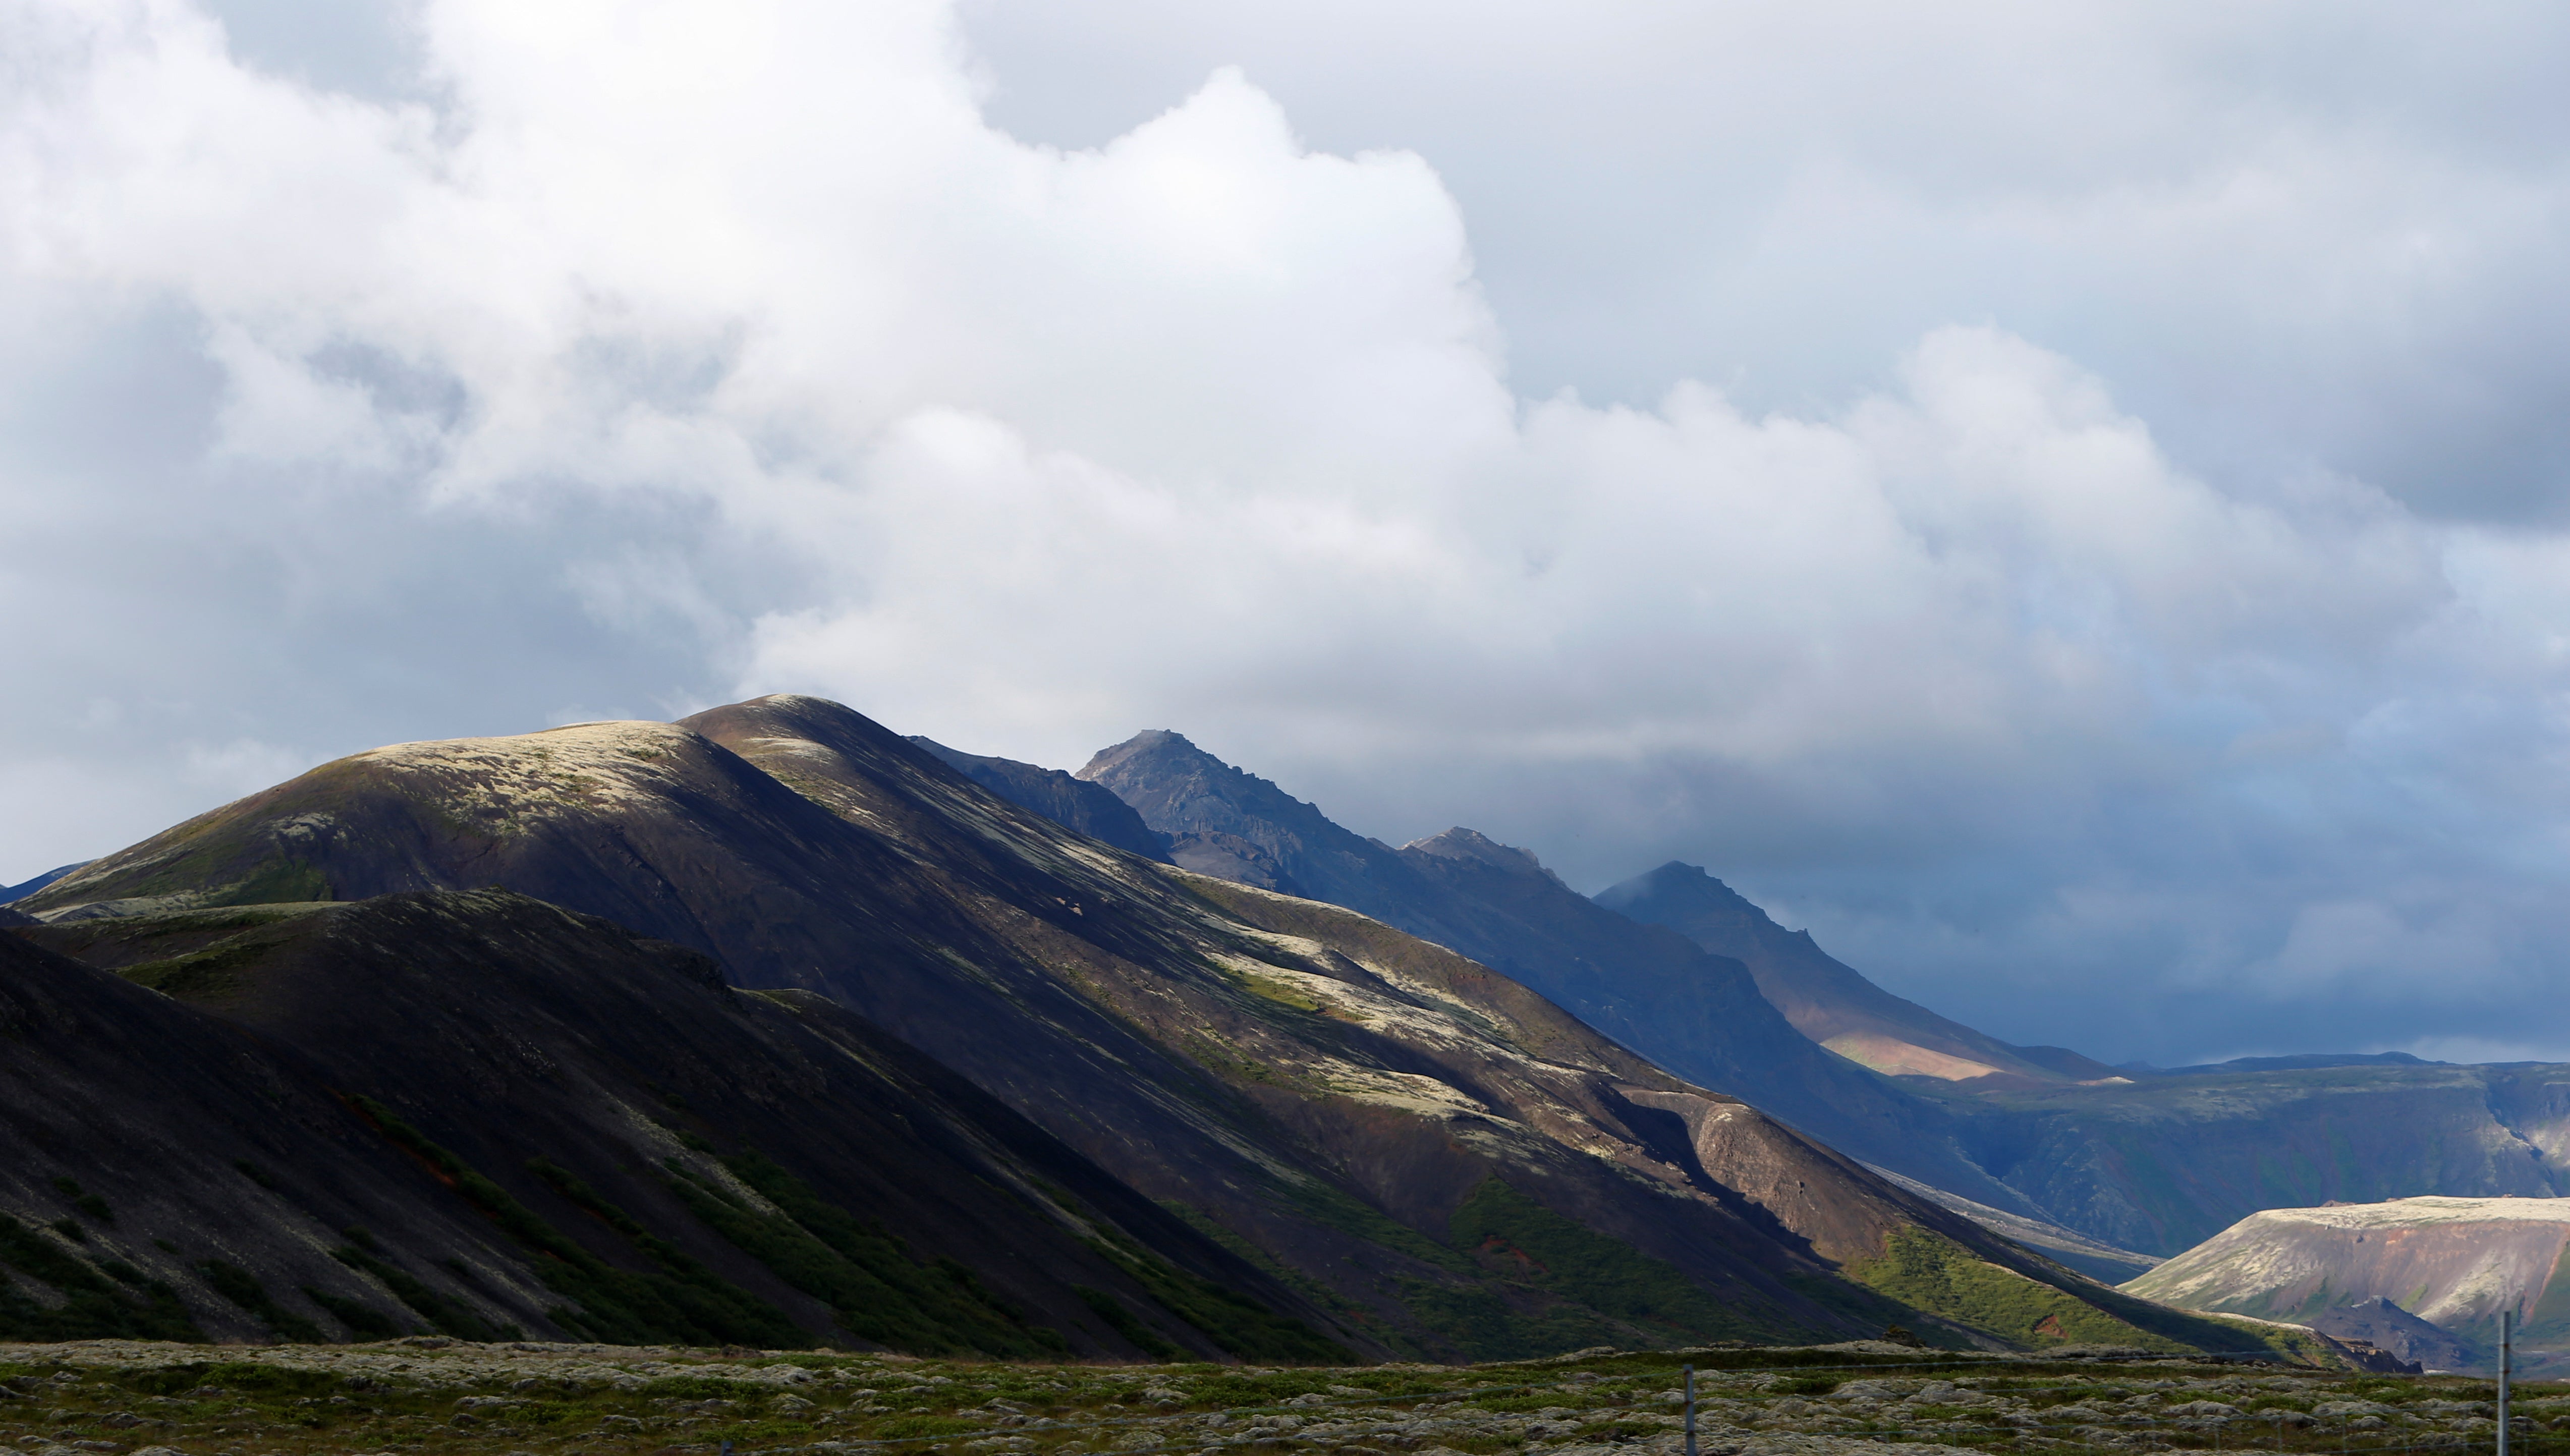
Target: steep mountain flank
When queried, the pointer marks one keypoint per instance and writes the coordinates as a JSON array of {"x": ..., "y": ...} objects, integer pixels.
[
  {"x": 2100, "y": 1262},
  {"x": 1185, "y": 1052},
  {"x": 1427, "y": 1155},
  {"x": 1074, "y": 803},
  {"x": 1948, "y": 1266},
  {"x": 1697, "y": 1014},
  {"x": 1826, "y": 1000},
  {"x": 2035, "y": 1142},
  {"x": 476, "y": 1113},
  {"x": 2455, "y": 1262}
]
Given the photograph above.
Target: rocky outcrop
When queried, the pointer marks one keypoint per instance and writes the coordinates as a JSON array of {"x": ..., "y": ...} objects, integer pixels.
[{"x": 2379, "y": 1324}]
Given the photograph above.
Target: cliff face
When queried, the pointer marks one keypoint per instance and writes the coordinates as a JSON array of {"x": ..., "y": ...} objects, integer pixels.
[{"x": 2456, "y": 1262}]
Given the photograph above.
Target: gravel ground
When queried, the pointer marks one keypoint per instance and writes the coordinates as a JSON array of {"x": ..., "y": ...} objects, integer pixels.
[{"x": 429, "y": 1395}]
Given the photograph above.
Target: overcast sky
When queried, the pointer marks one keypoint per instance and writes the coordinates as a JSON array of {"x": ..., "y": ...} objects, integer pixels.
[{"x": 2070, "y": 503}]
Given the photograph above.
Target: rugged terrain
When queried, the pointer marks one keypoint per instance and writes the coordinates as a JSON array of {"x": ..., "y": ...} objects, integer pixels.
[
  {"x": 1419, "y": 1155},
  {"x": 1699, "y": 1015},
  {"x": 2453, "y": 1263},
  {"x": 1844, "y": 1401},
  {"x": 2102, "y": 1168}
]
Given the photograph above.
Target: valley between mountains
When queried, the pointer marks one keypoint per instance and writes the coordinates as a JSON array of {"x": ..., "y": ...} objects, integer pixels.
[{"x": 772, "y": 1029}]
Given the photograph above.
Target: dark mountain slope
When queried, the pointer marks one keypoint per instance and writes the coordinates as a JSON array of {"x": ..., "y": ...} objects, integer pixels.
[
  {"x": 1187, "y": 1053},
  {"x": 1427, "y": 1154},
  {"x": 1698, "y": 1014},
  {"x": 1074, "y": 803},
  {"x": 232, "y": 1121},
  {"x": 1826, "y": 1000}
]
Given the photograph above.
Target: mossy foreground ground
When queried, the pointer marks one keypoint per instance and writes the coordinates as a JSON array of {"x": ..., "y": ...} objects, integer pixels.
[{"x": 429, "y": 1395}]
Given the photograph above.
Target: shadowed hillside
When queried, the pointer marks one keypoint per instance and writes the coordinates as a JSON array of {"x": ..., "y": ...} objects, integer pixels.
[
  {"x": 1429, "y": 1155},
  {"x": 478, "y": 1114}
]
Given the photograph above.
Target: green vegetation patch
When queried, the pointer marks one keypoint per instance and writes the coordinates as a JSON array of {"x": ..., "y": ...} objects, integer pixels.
[
  {"x": 1238, "y": 1324},
  {"x": 1565, "y": 1258},
  {"x": 1930, "y": 1272},
  {"x": 444, "y": 1316},
  {"x": 93, "y": 1308},
  {"x": 1124, "y": 1322},
  {"x": 91, "y": 1205},
  {"x": 363, "y": 1321},
  {"x": 243, "y": 1288},
  {"x": 863, "y": 1273},
  {"x": 212, "y": 974},
  {"x": 679, "y": 1303},
  {"x": 277, "y": 881}
]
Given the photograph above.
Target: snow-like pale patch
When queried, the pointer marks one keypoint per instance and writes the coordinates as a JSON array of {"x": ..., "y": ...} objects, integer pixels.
[
  {"x": 2426, "y": 1210},
  {"x": 595, "y": 765},
  {"x": 1896, "y": 1058},
  {"x": 2440, "y": 1257}
]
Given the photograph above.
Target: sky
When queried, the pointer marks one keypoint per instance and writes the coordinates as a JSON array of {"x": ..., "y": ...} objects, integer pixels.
[{"x": 2070, "y": 504}]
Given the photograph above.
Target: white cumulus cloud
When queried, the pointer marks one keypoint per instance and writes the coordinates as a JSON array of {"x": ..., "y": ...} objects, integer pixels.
[{"x": 630, "y": 356}]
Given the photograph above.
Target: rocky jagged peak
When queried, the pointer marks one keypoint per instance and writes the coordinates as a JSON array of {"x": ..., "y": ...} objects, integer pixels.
[
  {"x": 1179, "y": 788},
  {"x": 1472, "y": 844},
  {"x": 1155, "y": 751}
]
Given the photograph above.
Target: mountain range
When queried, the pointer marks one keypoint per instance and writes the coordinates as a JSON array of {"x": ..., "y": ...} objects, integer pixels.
[
  {"x": 2037, "y": 1142},
  {"x": 718, "y": 1030}
]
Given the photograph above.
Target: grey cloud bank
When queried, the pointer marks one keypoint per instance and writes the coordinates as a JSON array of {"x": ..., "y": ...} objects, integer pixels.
[{"x": 2106, "y": 587}]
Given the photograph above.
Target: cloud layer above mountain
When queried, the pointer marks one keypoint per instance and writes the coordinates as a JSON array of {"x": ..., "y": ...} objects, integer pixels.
[{"x": 2066, "y": 515}]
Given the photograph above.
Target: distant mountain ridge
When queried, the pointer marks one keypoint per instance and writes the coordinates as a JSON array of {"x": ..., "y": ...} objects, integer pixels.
[
  {"x": 1825, "y": 999},
  {"x": 11, "y": 893},
  {"x": 1657, "y": 992},
  {"x": 2151, "y": 1163}
]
